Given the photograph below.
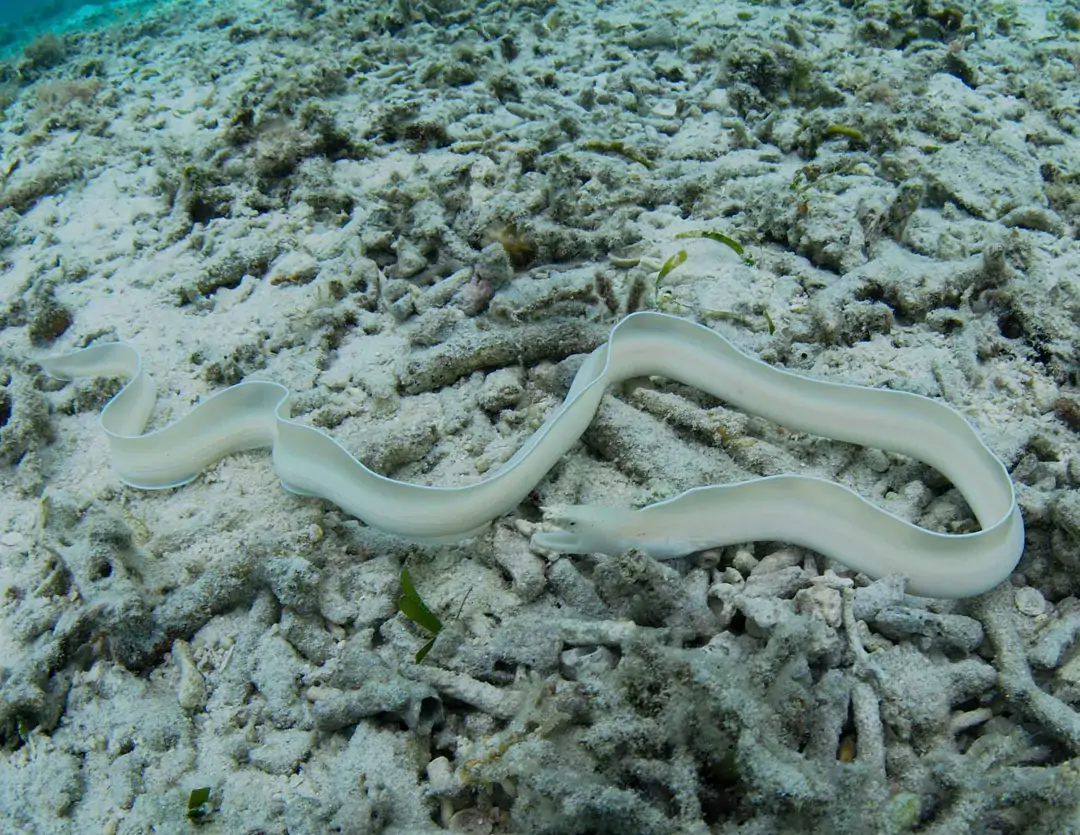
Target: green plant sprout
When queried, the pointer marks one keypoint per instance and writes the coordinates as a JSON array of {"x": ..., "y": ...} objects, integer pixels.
[
  {"x": 415, "y": 609},
  {"x": 854, "y": 136},
  {"x": 719, "y": 237},
  {"x": 198, "y": 804},
  {"x": 670, "y": 264}
]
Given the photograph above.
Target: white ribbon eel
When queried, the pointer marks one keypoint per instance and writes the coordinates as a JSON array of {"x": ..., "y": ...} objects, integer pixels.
[{"x": 818, "y": 514}]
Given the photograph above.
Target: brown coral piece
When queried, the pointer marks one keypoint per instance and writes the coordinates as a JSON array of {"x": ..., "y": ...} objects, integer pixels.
[{"x": 1069, "y": 411}]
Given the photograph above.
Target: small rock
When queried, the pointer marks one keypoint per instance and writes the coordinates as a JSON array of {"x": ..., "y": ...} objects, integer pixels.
[
  {"x": 294, "y": 268},
  {"x": 1030, "y": 601},
  {"x": 822, "y": 601}
]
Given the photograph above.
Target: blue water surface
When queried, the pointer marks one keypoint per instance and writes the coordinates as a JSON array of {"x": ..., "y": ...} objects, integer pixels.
[{"x": 23, "y": 20}]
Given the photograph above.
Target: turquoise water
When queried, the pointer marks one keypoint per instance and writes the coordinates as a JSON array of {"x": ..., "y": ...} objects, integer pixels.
[{"x": 23, "y": 20}]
